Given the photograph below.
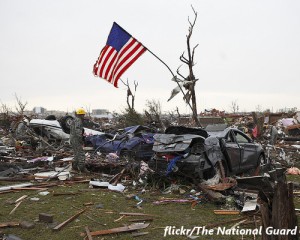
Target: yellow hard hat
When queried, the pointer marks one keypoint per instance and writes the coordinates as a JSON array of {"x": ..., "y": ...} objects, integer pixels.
[{"x": 80, "y": 111}]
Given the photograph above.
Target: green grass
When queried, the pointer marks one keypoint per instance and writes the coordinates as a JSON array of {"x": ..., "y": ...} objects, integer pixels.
[{"x": 63, "y": 207}]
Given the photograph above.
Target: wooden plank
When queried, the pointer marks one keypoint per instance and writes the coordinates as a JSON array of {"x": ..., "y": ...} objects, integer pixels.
[
  {"x": 88, "y": 233},
  {"x": 226, "y": 212},
  {"x": 141, "y": 220},
  {"x": 9, "y": 224},
  {"x": 61, "y": 225},
  {"x": 65, "y": 193},
  {"x": 136, "y": 214},
  {"x": 30, "y": 188},
  {"x": 21, "y": 198},
  {"x": 10, "y": 187},
  {"x": 138, "y": 234},
  {"x": 129, "y": 228},
  {"x": 15, "y": 208}
]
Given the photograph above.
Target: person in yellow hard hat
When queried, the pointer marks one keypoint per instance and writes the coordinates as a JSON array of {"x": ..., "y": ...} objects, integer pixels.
[{"x": 76, "y": 140}]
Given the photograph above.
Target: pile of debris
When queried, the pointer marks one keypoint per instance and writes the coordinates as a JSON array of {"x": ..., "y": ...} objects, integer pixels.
[{"x": 41, "y": 159}]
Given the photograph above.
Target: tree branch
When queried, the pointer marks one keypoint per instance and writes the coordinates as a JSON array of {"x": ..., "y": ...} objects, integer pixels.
[
  {"x": 193, "y": 53},
  {"x": 180, "y": 73}
]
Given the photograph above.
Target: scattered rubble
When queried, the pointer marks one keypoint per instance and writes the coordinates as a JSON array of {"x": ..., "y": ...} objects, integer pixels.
[{"x": 40, "y": 161}]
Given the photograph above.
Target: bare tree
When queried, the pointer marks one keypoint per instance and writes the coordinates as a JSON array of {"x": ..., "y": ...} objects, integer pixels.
[
  {"x": 88, "y": 111},
  {"x": 234, "y": 106},
  {"x": 4, "y": 109},
  {"x": 4, "y": 115},
  {"x": 130, "y": 94},
  {"x": 258, "y": 108},
  {"x": 20, "y": 107},
  {"x": 174, "y": 115},
  {"x": 189, "y": 82},
  {"x": 154, "y": 112}
]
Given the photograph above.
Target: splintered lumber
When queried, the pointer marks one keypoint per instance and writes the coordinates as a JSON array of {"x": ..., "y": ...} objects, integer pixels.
[
  {"x": 141, "y": 220},
  {"x": 30, "y": 188},
  {"x": 138, "y": 234},
  {"x": 11, "y": 187},
  {"x": 117, "y": 177},
  {"x": 226, "y": 212},
  {"x": 21, "y": 198},
  {"x": 136, "y": 214},
  {"x": 15, "y": 208},
  {"x": 65, "y": 193},
  {"x": 9, "y": 224},
  {"x": 8, "y": 191},
  {"x": 88, "y": 233},
  {"x": 61, "y": 225},
  {"x": 130, "y": 228},
  {"x": 91, "y": 217},
  {"x": 119, "y": 218}
]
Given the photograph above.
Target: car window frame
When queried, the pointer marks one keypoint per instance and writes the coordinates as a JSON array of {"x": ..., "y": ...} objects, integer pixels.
[{"x": 235, "y": 133}]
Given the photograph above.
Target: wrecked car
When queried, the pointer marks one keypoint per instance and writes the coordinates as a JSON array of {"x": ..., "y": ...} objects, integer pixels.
[
  {"x": 57, "y": 130},
  {"x": 133, "y": 142},
  {"x": 197, "y": 153}
]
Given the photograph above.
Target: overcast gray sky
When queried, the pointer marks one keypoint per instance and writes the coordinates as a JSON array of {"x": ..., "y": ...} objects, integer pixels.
[{"x": 249, "y": 52}]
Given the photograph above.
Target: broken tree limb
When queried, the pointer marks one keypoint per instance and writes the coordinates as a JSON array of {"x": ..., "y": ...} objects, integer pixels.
[
  {"x": 117, "y": 177},
  {"x": 212, "y": 195},
  {"x": 129, "y": 228},
  {"x": 61, "y": 225},
  {"x": 119, "y": 218}
]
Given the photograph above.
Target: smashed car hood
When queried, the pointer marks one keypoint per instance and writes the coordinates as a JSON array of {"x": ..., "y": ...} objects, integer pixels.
[{"x": 173, "y": 143}]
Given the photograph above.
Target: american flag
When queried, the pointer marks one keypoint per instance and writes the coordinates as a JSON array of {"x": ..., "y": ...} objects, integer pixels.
[{"x": 120, "y": 52}]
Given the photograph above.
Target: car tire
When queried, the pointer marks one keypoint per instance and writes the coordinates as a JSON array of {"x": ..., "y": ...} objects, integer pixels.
[{"x": 65, "y": 123}]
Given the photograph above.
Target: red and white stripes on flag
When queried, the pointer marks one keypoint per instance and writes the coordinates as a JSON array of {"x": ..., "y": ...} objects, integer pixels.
[{"x": 119, "y": 53}]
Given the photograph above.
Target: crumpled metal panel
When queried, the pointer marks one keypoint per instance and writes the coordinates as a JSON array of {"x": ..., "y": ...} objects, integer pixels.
[
  {"x": 213, "y": 150},
  {"x": 173, "y": 143}
]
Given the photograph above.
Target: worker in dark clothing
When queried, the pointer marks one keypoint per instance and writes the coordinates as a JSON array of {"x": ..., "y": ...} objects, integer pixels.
[{"x": 76, "y": 140}]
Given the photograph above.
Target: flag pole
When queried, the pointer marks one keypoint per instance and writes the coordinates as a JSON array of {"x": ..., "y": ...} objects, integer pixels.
[{"x": 174, "y": 79}]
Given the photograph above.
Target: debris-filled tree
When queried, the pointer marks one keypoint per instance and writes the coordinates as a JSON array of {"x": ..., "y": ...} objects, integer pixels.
[
  {"x": 4, "y": 116},
  {"x": 189, "y": 82},
  {"x": 153, "y": 113},
  {"x": 20, "y": 107},
  {"x": 130, "y": 115},
  {"x": 130, "y": 94}
]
